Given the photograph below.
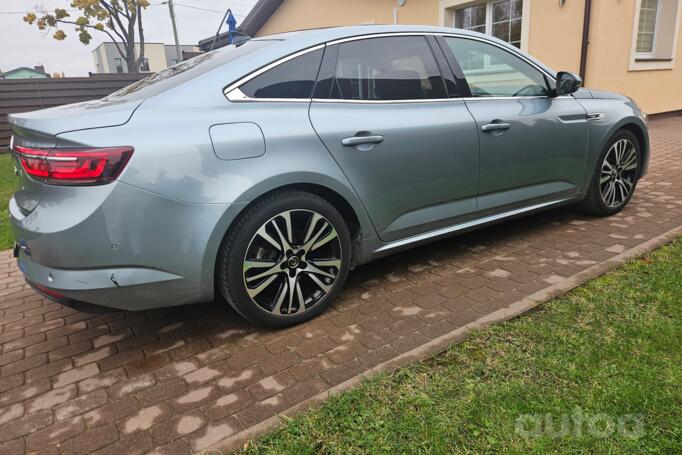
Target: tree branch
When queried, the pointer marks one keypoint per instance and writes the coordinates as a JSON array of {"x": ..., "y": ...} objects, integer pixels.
[
  {"x": 118, "y": 48},
  {"x": 111, "y": 8},
  {"x": 114, "y": 15}
]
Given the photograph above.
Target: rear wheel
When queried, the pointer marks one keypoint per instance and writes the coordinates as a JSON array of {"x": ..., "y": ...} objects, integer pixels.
[
  {"x": 285, "y": 259},
  {"x": 616, "y": 176}
]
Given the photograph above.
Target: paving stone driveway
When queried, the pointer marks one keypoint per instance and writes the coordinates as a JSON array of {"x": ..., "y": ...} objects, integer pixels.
[{"x": 185, "y": 379}]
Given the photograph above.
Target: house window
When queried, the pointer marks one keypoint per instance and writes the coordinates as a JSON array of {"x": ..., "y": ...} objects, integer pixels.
[
  {"x": 500, "y": 18},
  {"x": 646, "y": 32},
  {"x": 118, "y": 64},
  {"x": 655, "y": 34},
  {"x": 144, "y": 66}
]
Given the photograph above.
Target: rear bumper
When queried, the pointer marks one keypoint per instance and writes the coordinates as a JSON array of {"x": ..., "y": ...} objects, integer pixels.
[
  {"x": 123, "y": 248},
  {"x": 125, "y": 288}
]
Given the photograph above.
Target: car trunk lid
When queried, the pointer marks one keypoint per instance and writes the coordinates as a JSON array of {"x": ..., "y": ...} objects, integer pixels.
[{"x": 78, "y": 116}]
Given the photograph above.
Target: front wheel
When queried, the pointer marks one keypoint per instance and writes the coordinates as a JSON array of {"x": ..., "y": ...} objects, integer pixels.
[
  {"x": 616, "y": 176},
  {"x": 285, "y": 259}
]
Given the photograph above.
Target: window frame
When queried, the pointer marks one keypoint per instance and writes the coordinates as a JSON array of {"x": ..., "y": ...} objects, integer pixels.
[
  {"x": 550, "y": 81},
  {"x": 652, "y": 53},
  {"x": 489, "y": 13},
  {"x": 118, "y": 63},
  {"x": 335, "y": 47},
  {"x": 235, "y": 95},
  {"x": 666, "y": 31}
]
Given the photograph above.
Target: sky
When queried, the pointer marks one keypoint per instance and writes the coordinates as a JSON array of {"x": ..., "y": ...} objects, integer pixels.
[{"x": 25, "y": 45}]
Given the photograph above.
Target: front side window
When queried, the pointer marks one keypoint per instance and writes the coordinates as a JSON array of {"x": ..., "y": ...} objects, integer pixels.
[
  {"x": 144, "y": 65},
  {"x": 491, "y": 71},
  {"x": 118, "y": 63},
  {"x": 646, "y": 31},
  {"x": 387, "y": 69},
  {"x": 292, "y": 79},
  {"x": 499, "y": 18}
]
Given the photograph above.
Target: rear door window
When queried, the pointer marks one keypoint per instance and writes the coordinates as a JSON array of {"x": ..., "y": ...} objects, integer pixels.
[{"x": 387, "y": 69}]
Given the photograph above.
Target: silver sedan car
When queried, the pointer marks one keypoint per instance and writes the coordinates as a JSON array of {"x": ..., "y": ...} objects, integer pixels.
[{"x": 264, "y": 171}]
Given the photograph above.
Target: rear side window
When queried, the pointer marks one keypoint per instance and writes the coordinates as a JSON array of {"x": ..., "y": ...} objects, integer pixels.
[
  {"x": 387, "y": 69},
  {"x": 292, "y": 79}
]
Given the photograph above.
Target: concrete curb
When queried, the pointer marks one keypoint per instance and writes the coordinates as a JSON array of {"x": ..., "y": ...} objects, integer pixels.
[{"x": 458, "y": 335}]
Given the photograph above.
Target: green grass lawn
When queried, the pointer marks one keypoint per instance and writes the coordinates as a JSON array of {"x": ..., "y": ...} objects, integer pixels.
[
  {"x": 606, "y": 358},
  {"x": 8, "y": 182}
]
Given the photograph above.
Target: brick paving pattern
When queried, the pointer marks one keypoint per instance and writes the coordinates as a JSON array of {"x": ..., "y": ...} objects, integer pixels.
[{"x": 181, "y": 380}]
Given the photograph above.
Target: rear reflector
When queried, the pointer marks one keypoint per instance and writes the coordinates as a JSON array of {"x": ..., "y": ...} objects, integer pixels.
[{"x": 93, "y": 166}]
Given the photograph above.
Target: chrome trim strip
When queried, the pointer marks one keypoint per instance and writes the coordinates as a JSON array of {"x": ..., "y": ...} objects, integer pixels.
[
  {"x": 29, "y": 155},
  {"x": 260, "y": 71},
  {"x": 61, "y": 158},
  {"x": 233, "y": 94},
  {"x": 451, "y": 34},
  {"x": 466, "y": 225},
  {"x": 435, "y": 100},
  {"x": 48, "y": 158},
  {"x": 596, "y": 116}
]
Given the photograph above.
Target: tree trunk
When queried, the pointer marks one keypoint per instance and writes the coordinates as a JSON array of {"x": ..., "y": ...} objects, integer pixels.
[{"x": 131, "y": 60}]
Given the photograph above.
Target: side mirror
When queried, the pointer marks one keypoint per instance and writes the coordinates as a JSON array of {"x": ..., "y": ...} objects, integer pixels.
[{"x": 567, "y": 83}]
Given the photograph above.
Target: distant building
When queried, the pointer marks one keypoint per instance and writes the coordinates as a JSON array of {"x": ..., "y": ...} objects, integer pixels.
[
  {"x": 157, "y": 56},
  {"x": 24, "y": 72}
]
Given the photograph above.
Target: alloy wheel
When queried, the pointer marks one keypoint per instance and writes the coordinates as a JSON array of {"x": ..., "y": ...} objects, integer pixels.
[
  {"x": 618, "y": 173},
  {"x": 292, "y": 262}
]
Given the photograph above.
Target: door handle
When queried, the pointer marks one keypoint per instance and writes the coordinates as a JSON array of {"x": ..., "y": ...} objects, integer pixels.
[
  {"x": 362, "y": 139},
  {"x": 495, "y": 126}
]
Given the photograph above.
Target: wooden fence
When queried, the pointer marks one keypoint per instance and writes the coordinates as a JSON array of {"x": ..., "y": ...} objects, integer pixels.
[{"x": 23, "y": 95}]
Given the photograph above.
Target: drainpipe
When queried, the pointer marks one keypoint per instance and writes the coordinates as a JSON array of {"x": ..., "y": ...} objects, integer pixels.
[
  {"x": 401, "y": 3},
  {"x": 586, "y": 39}
]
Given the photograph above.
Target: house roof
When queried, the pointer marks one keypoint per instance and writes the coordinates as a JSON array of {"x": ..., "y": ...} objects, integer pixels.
[
  {"x": 258, "y": 16},
  {"x": 23, "y": 68},
  {"x": 252, "y": 23}
]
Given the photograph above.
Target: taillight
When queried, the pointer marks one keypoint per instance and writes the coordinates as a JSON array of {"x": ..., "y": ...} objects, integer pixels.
[{"x": 92, "y": 166}]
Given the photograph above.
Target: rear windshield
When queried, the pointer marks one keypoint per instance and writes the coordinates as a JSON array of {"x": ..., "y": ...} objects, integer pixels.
[{"x": 189, "y": 69}]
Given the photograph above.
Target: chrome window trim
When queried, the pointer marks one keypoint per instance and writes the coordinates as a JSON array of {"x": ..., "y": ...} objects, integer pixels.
[
  {"x": 258, "y": 72},
  {"x": 233, "y": 93},
  {"x": 450, "y": 34},
  {"x": 436, "y": 100}
]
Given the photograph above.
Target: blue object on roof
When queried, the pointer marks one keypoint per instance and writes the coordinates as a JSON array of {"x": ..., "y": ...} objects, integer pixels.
[{"x": 231, "y": 26}]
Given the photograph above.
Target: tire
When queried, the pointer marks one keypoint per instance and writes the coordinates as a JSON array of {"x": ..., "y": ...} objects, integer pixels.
[
  {"x": 295, "y": 240},
  {"x": 598, "y": 200}
]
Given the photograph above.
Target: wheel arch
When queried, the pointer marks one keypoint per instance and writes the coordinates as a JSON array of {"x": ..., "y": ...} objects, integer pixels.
[
  {"x": 643, "y": 139},
  {"x": 339, "y": 202},
  {"x": 340, "y": 197}
]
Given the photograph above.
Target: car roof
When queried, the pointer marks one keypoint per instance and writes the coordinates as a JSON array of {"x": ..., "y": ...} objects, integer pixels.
[{"x": 200, "y": 87}]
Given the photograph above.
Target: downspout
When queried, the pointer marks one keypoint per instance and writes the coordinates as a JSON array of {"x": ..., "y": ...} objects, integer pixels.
[{"x": 586, "y": 39}]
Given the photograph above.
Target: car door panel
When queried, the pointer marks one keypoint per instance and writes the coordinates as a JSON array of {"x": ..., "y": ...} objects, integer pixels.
[
  {"x": 532, "y": 146},
  {"x": 540, "y": 156},
  {"x": 421, "y": 176},
  {"x": 383, "y": 110}
]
